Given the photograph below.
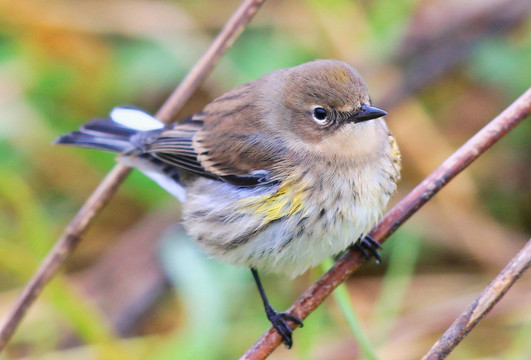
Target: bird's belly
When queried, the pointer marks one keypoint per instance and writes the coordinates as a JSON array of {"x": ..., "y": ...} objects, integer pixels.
[
  {"x": 290, "y": 244},
  {"x": 301, "y": 242}
]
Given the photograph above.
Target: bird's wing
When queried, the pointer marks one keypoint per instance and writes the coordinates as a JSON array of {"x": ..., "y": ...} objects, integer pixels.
[
  {"x": 226, "y": 145},
  {"x": 174, "y": 146}
]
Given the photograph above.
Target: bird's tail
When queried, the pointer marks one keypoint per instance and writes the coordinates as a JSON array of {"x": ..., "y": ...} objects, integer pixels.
[
  {"x": 125, "y": 132},
  {"x": 115, "y": 134}
]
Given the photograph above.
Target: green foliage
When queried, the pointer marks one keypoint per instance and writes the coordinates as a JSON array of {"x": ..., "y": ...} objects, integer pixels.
[
  {"x": 60, "y": 65},
  {"x": 347, "y": 309},
  {"x": 504, "y": 64},
  {"x": 206, "y": 289}
]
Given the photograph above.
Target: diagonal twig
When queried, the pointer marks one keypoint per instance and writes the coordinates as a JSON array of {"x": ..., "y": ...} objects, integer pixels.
[
  {"x": 482, "y": 305},
  {"x": 71, "y": 236},
  {"x": 422, "y": 193}
]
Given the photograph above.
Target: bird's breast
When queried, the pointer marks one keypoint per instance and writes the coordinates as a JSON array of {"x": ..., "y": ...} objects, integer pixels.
[{"x": 317, "y": 211}]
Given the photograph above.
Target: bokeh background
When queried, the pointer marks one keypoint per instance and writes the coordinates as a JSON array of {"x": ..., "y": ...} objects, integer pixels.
[{"x": 137, "y": 287}]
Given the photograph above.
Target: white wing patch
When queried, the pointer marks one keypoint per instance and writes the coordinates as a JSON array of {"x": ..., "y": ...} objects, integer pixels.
[
  {"x": 135, "y": 119},
  {"x": 155, "y": 173},
  {"x": 167, "y": 184}
]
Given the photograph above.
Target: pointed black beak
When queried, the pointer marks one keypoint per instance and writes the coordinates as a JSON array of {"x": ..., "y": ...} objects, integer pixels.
[{"x": 367, "y": 113}]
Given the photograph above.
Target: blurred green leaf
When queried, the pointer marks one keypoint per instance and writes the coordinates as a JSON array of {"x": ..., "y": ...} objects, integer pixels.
[
  {"x": 342, "y": 297},
  {"x": 252, "y": 56},
  {"x": 404, "y": 249},
  {"x": 208, "y": 290},
  {"x": 503, "y": 64}
]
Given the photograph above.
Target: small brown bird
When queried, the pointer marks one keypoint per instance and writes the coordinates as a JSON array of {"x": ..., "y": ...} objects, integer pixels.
[{"x": 276, "y": 174}]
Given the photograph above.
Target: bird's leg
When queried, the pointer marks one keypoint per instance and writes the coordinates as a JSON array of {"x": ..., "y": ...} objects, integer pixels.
[
  {"x": 278, "y": 320},
  {"x": 369, "y": 248}
]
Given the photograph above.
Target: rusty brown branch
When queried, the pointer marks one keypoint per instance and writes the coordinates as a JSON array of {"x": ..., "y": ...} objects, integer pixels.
[
  {"x": 482, "y": 305},
  {"x": 71, "y": 237},
  {"x": 422, "y": 193}
]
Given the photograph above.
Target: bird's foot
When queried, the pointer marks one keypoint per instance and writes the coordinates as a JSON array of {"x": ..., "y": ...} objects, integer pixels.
[
  {"x": 278, "y": 320},
  {"x": 369, "y": 248}
]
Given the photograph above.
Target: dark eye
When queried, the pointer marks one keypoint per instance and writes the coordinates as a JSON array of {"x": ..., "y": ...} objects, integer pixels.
[{"x": 319, "y": 115}]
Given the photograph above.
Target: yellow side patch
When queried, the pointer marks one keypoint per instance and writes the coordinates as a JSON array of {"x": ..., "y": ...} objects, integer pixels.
[
  {"x": 286, "y": 201},
  {"x": 394, "y": 148},
  {"x": 396, "y": 156}
]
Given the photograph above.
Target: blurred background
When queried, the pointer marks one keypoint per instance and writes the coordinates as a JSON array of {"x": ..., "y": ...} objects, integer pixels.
[{"x": 138, "y": 288}]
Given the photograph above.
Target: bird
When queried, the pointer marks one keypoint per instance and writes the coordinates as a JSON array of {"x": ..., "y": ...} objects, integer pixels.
[{"x": 274, "y": 175}]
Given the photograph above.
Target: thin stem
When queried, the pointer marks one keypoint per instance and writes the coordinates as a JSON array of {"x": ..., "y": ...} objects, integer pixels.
[
  {"x": 226, "y": 37},
  {"x": 343, "y": 300},
  {"x": 422, "y": 193},
  {"x": 395, "y": 285},
  {"x": 482, "y": 305},
  {"x": 71, "y": 237}
]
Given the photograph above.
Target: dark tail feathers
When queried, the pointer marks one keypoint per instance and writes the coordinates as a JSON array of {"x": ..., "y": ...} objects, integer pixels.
[{"x": 103, "y": 134}]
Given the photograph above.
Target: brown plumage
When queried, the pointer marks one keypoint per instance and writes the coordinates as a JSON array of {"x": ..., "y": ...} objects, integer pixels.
[
  {"x": 224, "y": 139},
  {"x": 281, "y": 172}
]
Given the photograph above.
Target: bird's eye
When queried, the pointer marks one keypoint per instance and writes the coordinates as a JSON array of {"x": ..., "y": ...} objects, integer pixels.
[{"x": 319, "y": 115}]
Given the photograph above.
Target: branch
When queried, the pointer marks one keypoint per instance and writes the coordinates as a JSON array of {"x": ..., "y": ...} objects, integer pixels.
[
  {"x": 351, "y": 260},
  {"x": 482, "y": 305},
  {"x": 71, "y": 237}
]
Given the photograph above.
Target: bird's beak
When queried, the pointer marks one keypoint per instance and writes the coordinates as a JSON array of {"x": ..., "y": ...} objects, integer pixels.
[{"x": 367, "y": 113}]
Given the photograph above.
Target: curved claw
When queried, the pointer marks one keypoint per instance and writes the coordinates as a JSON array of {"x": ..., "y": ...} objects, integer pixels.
[
  {"x": 278, "y": 320},
  {"x": 295, "y": 319},
  {"x": 375, "y": 244},
  {"x": 369, "y": 248}
]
